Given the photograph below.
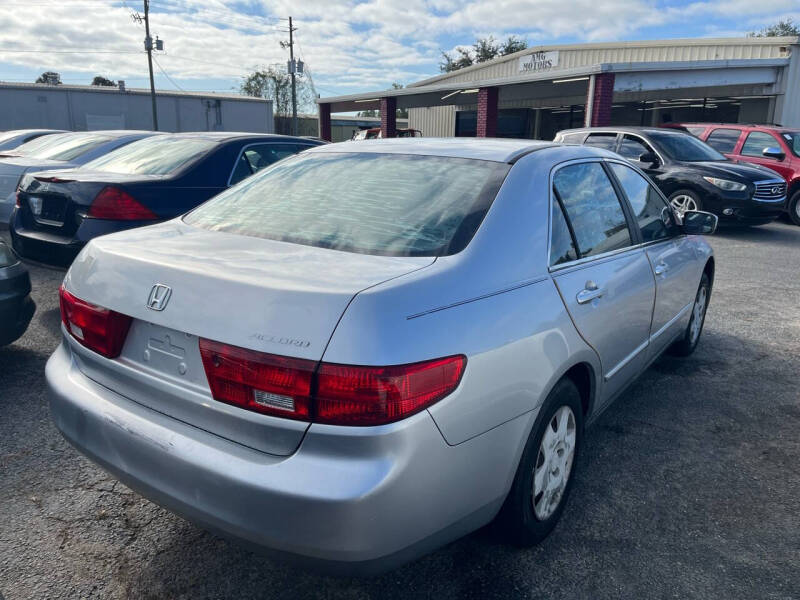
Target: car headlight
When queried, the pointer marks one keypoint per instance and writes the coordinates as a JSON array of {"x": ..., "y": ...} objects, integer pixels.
[
  {"x": 7, "y": 256},
  {"x": 727, "y": 185}
]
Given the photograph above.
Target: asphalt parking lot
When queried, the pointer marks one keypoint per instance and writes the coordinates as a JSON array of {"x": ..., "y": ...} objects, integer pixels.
[{"x": 688, "y": 485}]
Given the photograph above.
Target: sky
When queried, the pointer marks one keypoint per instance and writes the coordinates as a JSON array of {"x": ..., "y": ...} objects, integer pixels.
[{"x": 348, "y": 46}]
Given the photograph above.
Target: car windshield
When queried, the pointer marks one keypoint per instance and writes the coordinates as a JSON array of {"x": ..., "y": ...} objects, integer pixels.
[
  {"x": 792, "y": 140},
  {"x": 385, "y": 204},
  {"x": 8, "y": 135},
  {"x": 684, "y": 147},
  {"x": 156, "y": 155},
  {"x": 70, "y": 146}
]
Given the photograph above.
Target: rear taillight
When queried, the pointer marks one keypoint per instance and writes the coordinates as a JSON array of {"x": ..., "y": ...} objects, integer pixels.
[
  {"x": 19, "y": 200},
  {"x": 265, "y": 383},
  {"x": 119, "y": 205},
  {"x": 349, "y": 395},
  {"x": 97, "y": 328},
  {"x": 326, "y": 393}
]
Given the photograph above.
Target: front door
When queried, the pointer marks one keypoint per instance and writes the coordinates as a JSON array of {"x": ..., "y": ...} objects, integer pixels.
[
  {"x": 671, "y": 255},
  {"x": 605, "y": 281}
]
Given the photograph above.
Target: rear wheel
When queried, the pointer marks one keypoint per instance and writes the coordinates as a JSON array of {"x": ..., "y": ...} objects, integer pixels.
[
  {"x": 684, "y": 200},
  {"x": 687, "y": 344},
  {"x": 794, "y": 208},
  {"x": 547, "y": 468}
]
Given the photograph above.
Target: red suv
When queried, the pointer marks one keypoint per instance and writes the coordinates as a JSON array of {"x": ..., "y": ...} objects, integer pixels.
[{"x": 775, "y": 147}]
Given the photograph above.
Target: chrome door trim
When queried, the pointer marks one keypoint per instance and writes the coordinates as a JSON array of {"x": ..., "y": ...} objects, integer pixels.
[
  {"x": 671, "y": 322},
  {"x": 621, "y": 364}
]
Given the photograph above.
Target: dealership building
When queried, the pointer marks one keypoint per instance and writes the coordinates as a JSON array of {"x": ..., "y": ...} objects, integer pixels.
[{"x": 539, "y": 91}]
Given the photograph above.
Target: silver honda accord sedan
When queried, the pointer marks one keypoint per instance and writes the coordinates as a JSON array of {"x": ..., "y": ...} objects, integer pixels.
[{"x": 363, "y": 353}]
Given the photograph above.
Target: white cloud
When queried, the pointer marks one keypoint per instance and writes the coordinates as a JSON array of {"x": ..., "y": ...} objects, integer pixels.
[{"x": 347, "y": 44}]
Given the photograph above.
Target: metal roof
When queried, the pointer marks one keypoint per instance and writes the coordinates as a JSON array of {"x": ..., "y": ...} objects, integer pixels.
[{"x": 100, "y": 89}]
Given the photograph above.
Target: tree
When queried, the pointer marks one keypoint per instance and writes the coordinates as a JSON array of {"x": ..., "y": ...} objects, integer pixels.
[
  {"x": 275, "y": 84},
  {"x": 50, "y": 78},
  {"x": 784, "y": 27},
  {"x": 100, "y": 80},
  {"x": 482, "y": 50}
]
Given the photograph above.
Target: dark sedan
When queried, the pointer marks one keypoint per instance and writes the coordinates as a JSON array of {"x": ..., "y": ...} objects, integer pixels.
[
  {"x": 155, "y": 179},
  {"x": 16, "y": 306},
  {"x": 691, "y": 173}
]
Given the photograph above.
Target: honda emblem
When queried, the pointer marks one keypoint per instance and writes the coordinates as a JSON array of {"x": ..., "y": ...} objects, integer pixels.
[{"x": 159, "y": 296}]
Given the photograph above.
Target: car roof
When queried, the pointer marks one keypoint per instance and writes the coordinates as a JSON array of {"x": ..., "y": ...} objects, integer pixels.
[
  {"x": 625, "y": 129},
  {"x": 739, "y": 126},
  {"x": 231, "y": 135},
  {"x": 495, "y": 149}
]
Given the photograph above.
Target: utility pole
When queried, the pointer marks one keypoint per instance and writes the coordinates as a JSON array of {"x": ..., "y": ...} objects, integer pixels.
[
  {"x": 292, "y": 70},
  {"x": 148, "y": 45}
]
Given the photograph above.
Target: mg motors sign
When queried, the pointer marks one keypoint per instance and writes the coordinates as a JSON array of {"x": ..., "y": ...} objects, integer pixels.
[{"x": 538, "y": 61}]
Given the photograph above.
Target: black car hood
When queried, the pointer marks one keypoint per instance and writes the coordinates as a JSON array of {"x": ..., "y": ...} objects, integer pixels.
[{"x": 733, "y": 170}]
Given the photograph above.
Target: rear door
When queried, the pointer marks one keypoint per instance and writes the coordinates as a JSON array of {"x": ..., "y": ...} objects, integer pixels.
[
  {"x": 669, "y": 252},
  {"x": 602, "y": 273},
  {"x": 724, "y": 140}
]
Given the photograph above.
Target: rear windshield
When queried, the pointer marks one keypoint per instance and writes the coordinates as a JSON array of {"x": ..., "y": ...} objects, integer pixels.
[
  {"x": 684, "y": 147},
  {"x": 71, "y": 146},
  {"x": 156, "y": 155},
  {"x": 39, "y": 144},
  {"x": 386, "y": 204}
]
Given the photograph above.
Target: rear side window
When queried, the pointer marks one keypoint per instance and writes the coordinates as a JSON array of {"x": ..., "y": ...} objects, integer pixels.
[
  {"x": 654, "y": 217},
  {"x": 756, "y": 142},
  {"x": 369, "y": 203},
  {"x": 572, "y": 138},
  {"x": 256, "y": 157},
  {"x": 696, "y": 131},
  {"x": 593, "y": 208},
  {"x": 602, "y": 140},
  {"x": 562, "y": 248},
  {"x": 723, "y": 140},
  {"x": 632, "y": 148}
]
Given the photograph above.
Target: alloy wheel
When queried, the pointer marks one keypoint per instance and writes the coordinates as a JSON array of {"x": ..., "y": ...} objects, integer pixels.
[
  {"x": 554, "y": 463},
  {"x": 698, "y": 312},
  {"x": 683, "y": 202}
]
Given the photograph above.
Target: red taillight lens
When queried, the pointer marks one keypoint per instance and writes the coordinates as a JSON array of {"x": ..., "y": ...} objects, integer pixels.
[
  {"x": 350, "y": 395},
  {"x": 295, "y": 388},
  {"x": 97, "y": 328},
  {"x": 19, "y": 200},
  {"x": 265, "y": 383},
  {"x": 114, "y": 203}
]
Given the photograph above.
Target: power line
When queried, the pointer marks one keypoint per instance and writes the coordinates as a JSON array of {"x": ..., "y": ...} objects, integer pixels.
[{"x": 167, "y": 75}]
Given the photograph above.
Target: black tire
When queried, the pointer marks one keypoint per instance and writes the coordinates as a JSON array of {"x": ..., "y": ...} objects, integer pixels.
[
  {"x": 687, "y": 343},
  {"x": 794, "y": 208},
  {"x": 518, "y": 520},
  {"x": 691, "y": 194}
]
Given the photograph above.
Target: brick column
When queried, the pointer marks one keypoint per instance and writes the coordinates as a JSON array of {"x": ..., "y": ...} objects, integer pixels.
[
  {"x": 389, "y": 117},
  {"x": 325, "y": 122},
  {"x": 603, "y": 98},
  {"x": 487, "y": 112}
]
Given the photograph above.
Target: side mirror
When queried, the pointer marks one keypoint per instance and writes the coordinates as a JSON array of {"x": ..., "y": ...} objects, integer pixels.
[
  {"x": 775, "y": 153},
  {"x": 648, "y": 158},
  {"x": 699, "y": 222}
]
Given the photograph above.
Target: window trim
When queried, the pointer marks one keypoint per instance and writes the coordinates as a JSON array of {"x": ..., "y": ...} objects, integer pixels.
[
  {"x": 617, "y": 137},
  {"x": 646, "y": 142},
  {"x": 249, "y": 145}
]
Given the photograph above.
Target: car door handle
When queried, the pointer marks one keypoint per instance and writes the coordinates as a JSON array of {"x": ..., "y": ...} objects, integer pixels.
[
  {"x": 589, "y": 294},
  {"x": 661, "y": 268}
]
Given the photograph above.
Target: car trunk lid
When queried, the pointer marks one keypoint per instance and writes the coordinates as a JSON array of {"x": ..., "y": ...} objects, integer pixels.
[{"x": 263, "y": 295}]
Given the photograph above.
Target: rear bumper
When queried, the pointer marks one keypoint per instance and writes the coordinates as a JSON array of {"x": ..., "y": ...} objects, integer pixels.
[
  {"x": 350, "y": 500},
  {"x": 16, "y": 306},
  {"x": 54, "y": 247}
]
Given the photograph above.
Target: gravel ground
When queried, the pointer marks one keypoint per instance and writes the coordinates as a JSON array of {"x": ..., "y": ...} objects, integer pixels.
[{"x": 687, "y": 488}]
